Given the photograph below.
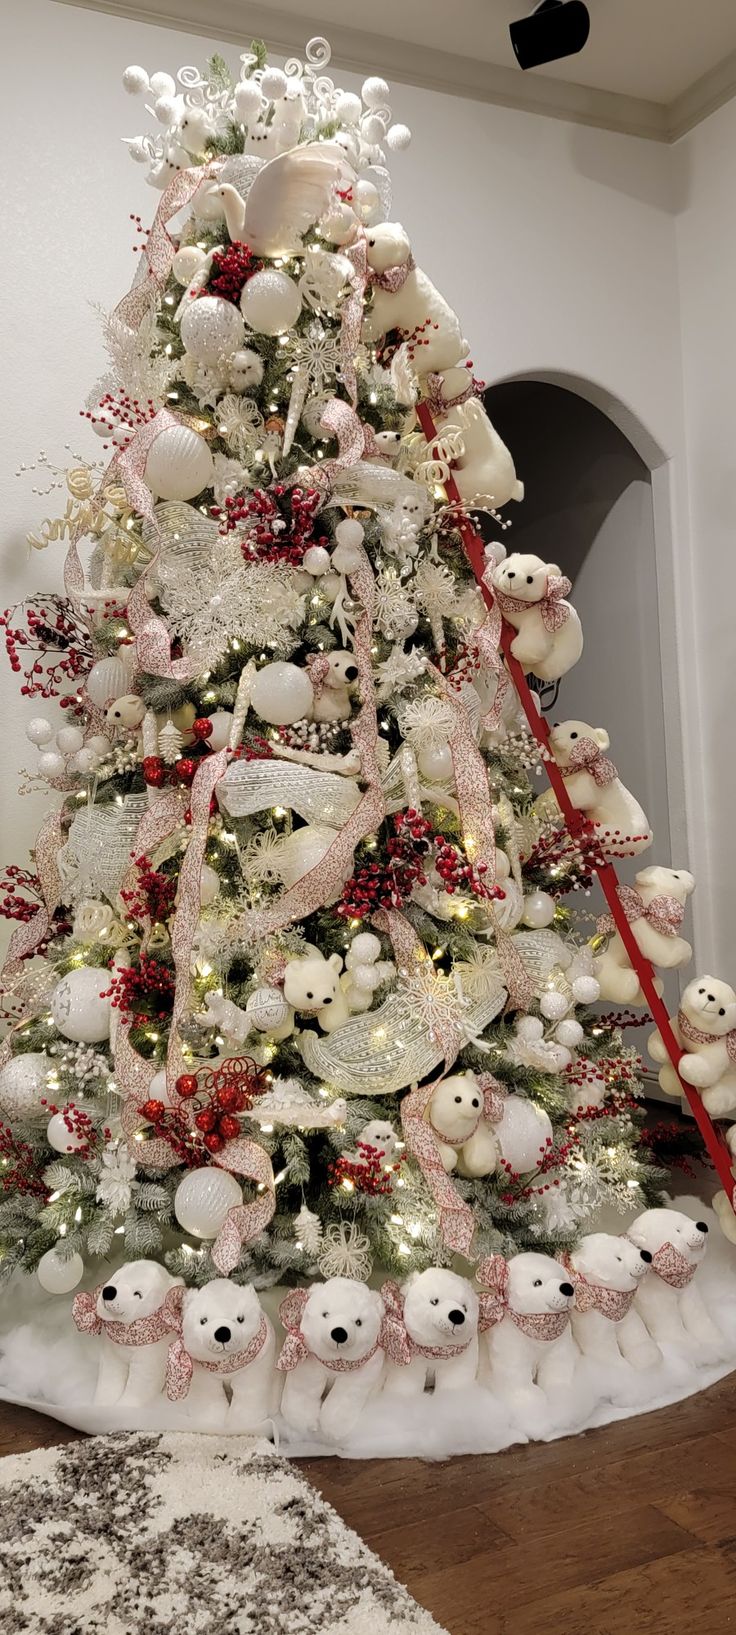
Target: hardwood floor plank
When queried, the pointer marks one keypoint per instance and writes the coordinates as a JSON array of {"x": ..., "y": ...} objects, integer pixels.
[{"x": 673, "y": 1595}]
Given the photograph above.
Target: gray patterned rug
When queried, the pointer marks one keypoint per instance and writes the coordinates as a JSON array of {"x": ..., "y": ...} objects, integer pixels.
[{"x": 175, "y": 1534}]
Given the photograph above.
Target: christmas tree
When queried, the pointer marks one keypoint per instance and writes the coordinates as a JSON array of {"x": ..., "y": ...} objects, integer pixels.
[{"x": 303, "y": 978}]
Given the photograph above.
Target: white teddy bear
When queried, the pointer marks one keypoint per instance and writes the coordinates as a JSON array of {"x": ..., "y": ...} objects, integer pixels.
[
  {"x": 405, "y": 299},
  {"x": 655, "y": 908},
  {"x": 594, "y": 787},
  {"x": 671, "y": 1306},
  {"x": 440, "y": 1314},
  {"x": 705, "y": 1027},
  {"x": 531, "y": 1352},
  {"x": 130, "y": 1316},
  {"x": 364, "y": 971},
  {"x": 224, "y": 1338},
  {"x": 333, "y": 1345},
  {"x": 606, "y": 1272},
  {"x": 465, "y": 1138},
  {"x": 530, "y": 594},
  {"x": 312, "y": 986},
  {"x": 332, "y": 676},
  {"x": 485, "y": 471}
]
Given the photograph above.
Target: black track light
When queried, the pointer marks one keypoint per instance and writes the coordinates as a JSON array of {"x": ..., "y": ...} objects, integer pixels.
[{"x": 556, "y": 28}]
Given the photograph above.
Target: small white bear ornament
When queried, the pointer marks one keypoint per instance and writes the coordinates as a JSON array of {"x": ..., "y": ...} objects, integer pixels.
[
  {"x": 312, "y": 986},
  {"x": 333, "y": 1351},
  {"x": 655, "y": 908},
  {"x": 530, "y": 594},
  {"x": 705, "y": 1027},
  {"x": 223, "y": 1337},
  {"x": 130, "y": 1316},
  {"x": 460, "y": 1113},
  {"x": 606, "y": 1272},
  {"x": 594, "y": 788},
  {"x": 440, "y": 1313},
  {"x": 668, "y": 1300},
  {"x": 531, "y": 1350}
]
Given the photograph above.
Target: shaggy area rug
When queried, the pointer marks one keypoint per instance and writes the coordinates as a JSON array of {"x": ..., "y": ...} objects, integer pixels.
[{"x": 175, "y": 1534}]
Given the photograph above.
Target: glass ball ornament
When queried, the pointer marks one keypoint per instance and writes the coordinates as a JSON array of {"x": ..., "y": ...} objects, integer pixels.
[
  {"x": 523, "y": 1133},
  {"x": 69, "y": 740},
  {"x": 61, "y": 1138},
  {"x": 135, "y": 80},
  {"x": 57, "y": 1274},
  {"x": 554, "y": 1006},
  {"x": 80, "y": 1005},
  {"x": 539, "y": 909},
  {"x": 267, "y": 1009},
  {"x": 270, "y": 302},
  {"x": 569, "y": 1033},
  {"x": 179, "y": 464},
  {"x": 187, "y": 262},
  {"x": 108, "y": 679},
  {"x": 281, "y": 693},
  {"x": 210, "y": 328},
  {"x": 39, "y": 730},
  {"x": 203, "y": 1200},
  {"x": 248, "y": 99},
  {"x": 435, "y": 762},
  {"x": 367, "y": 202},
  {"x": 51, "y": 764},
  {"x": 374, "y": 91},
  {"x": 24, "y": 1084},
  {"x": 222, "y": 721},
  {"x": 586, "y": 989}
]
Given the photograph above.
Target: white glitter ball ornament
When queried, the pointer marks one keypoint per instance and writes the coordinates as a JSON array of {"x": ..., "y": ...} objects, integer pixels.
[
  {"x": 222, "y": 722},
  {"x": 211, "y": 328},
  {"x": 270, "y": 302},
  {"x": 39, "y": 730},
  {"x": 23, "y": 1084},
  {"x": 179, "y": 464},
  {"x": 61, "y": 1138},
  {"x": 135, "y": 82},
  {"x": 267, "y": 1009},
  {"x": 375, "y": 92},
  {"x": 248, "y": 99},
  {"x": 281, "y": 694},
  {"x": 78, "y": 1007},
  {"x": 554, "y": 1006},
  {"x": 58, "y": 1275},
  {"x": 203, "y": 1200},
  {"x": 523, "y": 1134}
]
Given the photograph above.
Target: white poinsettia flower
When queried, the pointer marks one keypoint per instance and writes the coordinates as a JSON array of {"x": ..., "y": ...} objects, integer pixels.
[{"x": 115, "y": 1184}]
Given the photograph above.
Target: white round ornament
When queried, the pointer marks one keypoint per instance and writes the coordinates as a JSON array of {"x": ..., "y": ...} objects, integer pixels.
[
  {"x": 569, "y": 1033},
  {"x": 222, "y": 721},
  {"x": 166, "y": 109},
  {"x": 364, "y": 949},
  {"x": 530, "y": 1027},
  {"x": 435, "y": 762},
  {"x": 158, "y": 1091},
  {"x": 39, "y": 730},
  {"x": 316, "y": 561},
  {"x": 248, "y": 99},
  {"x": 339, "y": 224},
  {"x": 187, "y": 262},
  {"x": 85, "y": 761},
  {"x": 99, "y": 743},
  {"x": 108, "y": 679},
  {"x": 138, "y": 151},
  {"x": 586, "y": 989},
  {"x": 267, "y": 1009},
  {"x": 367, "y": 202},
  {"x": 209, "y": 885},
  {"x": 24, "y": 1084},
  {"x": 203, "y": 1200},
  {"x": 162, "y": 84},
  {"x": 523, "y": 1134},
  {"x": 348, "y": 107},
  {"x": 69, "y": 740},
  {"x": 270, "y": 302},
  {"x": 274, "y": 84},
  {"x": 374, "y": 90},
  {"x": 211, "y": 328},
  {"x": 51, "y": 764},
  {"x": 179, "y": 464},
  {"x": 554, "y": 1006},
  {"x": 78, "y": 1007},
  {"x": 373, "y": 128},
  {"x": 398, "y": 137},
  {"x": 61, "y": 1138},
  {"x": 57, "y": 1275},
  {"x": 135, "y": 80},
  {"x": 539, "y": 909},
  {"x": 281, "y": 693}
]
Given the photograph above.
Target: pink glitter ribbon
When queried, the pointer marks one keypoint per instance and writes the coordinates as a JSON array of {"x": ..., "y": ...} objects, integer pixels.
[
  {"x": 665, "y": 914},
  {"x": 488, "y": 644},
  {"x": 338, "y": 417},
  {"x": 394, "y": 278},
  {"x": 160, "y": 249},
  {"x": 142, "y": 1331},
  {"x": 586, "y": 756},
  {"x": 351, "y": 317},
  {"x": 698, "y": 1036},
  {"x": 670, "y": 1264},
  {"x": 318, "y": 667},
  {"x": 295, "y": 1349},
  {"x": 611, "y": 1303},
  {"x": 439, "y": 405},
  {"x": 244, "y": 1222},
  {"x": 180, "y": 1364},
  {"x": 26, "y": 938},
  {"x": 551, "y": 606},
  {"x": 493, "y": 1276}
]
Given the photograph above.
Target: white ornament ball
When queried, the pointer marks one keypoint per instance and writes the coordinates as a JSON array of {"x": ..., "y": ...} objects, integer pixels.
[
  {"x": 39, "y": 730},
  {"x": 539, "y": 909},
  {"x": 162, "y": 84},
  {"x": 61, "y": 1138},
  {"x": 211, "y": 328},
  {"x": 209, "y": 885},
  {"x": 85, "y": 761},
  {"x": 367, "y": 202},
  {"x": 339, "y": 224},
  {"x": 554, "y": 1006},
  {"x": 51, "y": 764},
  {"x": 316, "y": 561},
  {"x": 203, "y": 1200},
  {"x": 523, "y": 1134},
  {"x": 78, "y": 1007},
  {"x": 530, "y": 1028},
  {"x": 270, "y": 302},
  {"x": 248, "y": 99},
  {"x": 222, "y": 722},
  {"x": 364, "y": 949},
  {"x": 24, "y": 1084},
  {"x": 179, "y": 464},
  {"x": 282, "y": 693},
  {"x": 350, "y": 533},
  {"x": 99, "y": 743},
  {"x": 57, "y": 1275},
  {"x": 108, "y": 679},
  {"x": 274, "y": 84},
  {"x": 373, "y": 128},
  {"x": 348, "y": 107},
  {"x": 138, "y": 152},
  {"x": 166, "y": 109},
  {"x": 569, "y": 1033},
  {"x": 398, "y": 138},
  {"x": 375, "y": 92},
  {"x": 267, "y": 1009},
  {"x": 69, "y": 740},
  {"x": 503, "y": 866},
  {"x": 135, "y": 80},
  {"x": 586, "y": 989},
  {"x": 187, "y": 262},
  {"x": 435, "y": 762},
  {"x": 245, "y": 368},
  {"x": 158, "y": 1090}
]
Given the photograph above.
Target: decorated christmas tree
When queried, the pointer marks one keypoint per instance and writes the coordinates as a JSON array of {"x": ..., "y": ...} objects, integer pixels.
[{"x": 304, "y": 981}]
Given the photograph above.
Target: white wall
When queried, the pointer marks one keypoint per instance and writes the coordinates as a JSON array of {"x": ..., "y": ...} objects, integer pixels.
[{"x": 555, "y": 242}]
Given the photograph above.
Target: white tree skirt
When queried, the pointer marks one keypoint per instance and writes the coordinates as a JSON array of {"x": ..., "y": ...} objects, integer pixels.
[{"x": 47, "y": 1365}]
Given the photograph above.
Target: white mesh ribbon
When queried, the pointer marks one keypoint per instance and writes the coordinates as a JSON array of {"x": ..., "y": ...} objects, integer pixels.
[
  {"x": 97, "y": 854},
  {"x": 318, "y": 797},
  {"x": 181, "y": 534}
]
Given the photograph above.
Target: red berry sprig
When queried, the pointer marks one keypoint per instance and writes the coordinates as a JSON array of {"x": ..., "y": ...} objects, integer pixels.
[
  {"x": 152, "y": 898},
  {"x": 143, "y": 992},
  {"x": 46, "y": 631},
  {"x": 456, "y": 873},
  {"x": 210, "y": 1101},
  {"x": 378, "y": 886},
  {"x": 368, "y": 1173},
  {"x": 231, "y": 269},
  {"x": 19, "y": 1167}
]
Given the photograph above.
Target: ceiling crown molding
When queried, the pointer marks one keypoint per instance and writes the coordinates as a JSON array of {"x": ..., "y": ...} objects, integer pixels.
[{"x": 403, "y": 61}]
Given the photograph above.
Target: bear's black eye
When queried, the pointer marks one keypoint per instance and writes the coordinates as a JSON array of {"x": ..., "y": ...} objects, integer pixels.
[
  {"x": 137, "y": 1293},
  {"x": 475, "y": 1102},
  {"x": 241, "y": 1319},
  {"x": 371, "y": 241},
  {"x": 310, "y": 996},
  {"x": 721, "y": 1011},
  {"x": 530, "y": 578},
  {"x": 573, "y": 735},
  {"x": 325, "y": 1314},
  {"x": 458, "y": 1100},
  {"x": 676, "y": 877},
  {"x": 202, "y": 1321},
  {"x": 358, "y": 1322},
  {"x": 434, "y": 1302},
  {"x": 701, "y": 990},
  {"x": 537, "y": 1283}
]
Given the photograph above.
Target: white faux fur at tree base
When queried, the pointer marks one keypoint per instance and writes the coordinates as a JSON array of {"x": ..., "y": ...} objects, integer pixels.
[{"x": 45, "y": 1364}]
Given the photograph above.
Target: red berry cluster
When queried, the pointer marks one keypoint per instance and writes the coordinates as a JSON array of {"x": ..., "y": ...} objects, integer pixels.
[
  {"x": 231, "y": 269},
  {"x": 466, "y": 665},
  {"x": 152, "y": 897},
  {"x": 141, "y": 232},
  {"x": 19, "y": 1172},
  {"x": 270, "y": 534},
  {"x": 143, "y": 992},
  {"x": 456, "y": 873},
  {"x": 521, "y": 1188},
  {"x": 80, "y": 1126},
  {"x": 624, "y": 1019},
  {"x": 368, "y": 1173},
  {"x": 13, "y": 906},
  {"x": 388, "y": 886},
  {"x": 157, "y": 773},
  {"x": 121, "y": 414},
  {"x": 50, "y": 628},
  {"x": 210, "y": 1101},
  {"x": 673, "y": 1146}
]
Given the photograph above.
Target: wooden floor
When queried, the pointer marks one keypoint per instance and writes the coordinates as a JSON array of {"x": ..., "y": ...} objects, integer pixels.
[{"x": 628, "y": 1530}]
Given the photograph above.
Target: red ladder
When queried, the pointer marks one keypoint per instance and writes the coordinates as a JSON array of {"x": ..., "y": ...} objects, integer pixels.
[{"x": 576, "y": 823}]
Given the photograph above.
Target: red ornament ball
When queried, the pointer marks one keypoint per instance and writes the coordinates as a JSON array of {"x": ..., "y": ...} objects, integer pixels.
[
  {"x": 152, "y": 1110},
  {"x": 206, "y": 1120},
  {"x": 154, "y": 771},
  {"x": 201, "y": 728},
  {"x": 186, "y": 769},
  {"x": 186, "y": 1086},
  {"x": 228, "y": 1098},
  {"x": 214, "y": 1142},
  {"x": 228, "y": 1126}
]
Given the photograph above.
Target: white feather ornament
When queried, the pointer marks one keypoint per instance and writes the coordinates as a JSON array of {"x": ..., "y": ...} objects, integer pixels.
[{"x": 291, "y": 193}]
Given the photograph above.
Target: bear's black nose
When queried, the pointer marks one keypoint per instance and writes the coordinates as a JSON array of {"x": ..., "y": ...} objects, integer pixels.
[
  {"x": 511, "y": 575},
  {"x": 701, "y": 1226},
  {"x": 645, "y": 1255},
  {"x": 351, "y": 672},
  {"x": 327, "y": 1001},
  {"x": 456, "y": 1317},
  {"x": 566, "y": 1288},
  {"x": 222, "y": 1334},
  {"x": 712, "y": 998},
  {"x": 339, "y": 1335},
  {"x": 109, "y": 1292}
]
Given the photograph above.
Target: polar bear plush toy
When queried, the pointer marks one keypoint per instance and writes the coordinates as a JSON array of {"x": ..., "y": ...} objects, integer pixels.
[
  {"x": 405, "y": 299},
  {"x": 224, "y": 1338},
  {"x": 464, "y": 1136},
  {"x": 130, "y": 1316},
  {"x": 594, "y": 787},
  {"x": 655, "y": 908},
  {"x": 332, "y": 676},
  {"x": 531, "y": 1353},
  {"x": 668, "y": 1300},
  {"x": 485, "y": 471},
  {"x": 530, "y": 594},
  {"x": 606, "y": 1272},
  {"x": 312, "y": 985},
  {"x": 440, "y": 1313},
  {"x": 332, "y": 1351},
  {"x": 705, "y": 1027}
]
